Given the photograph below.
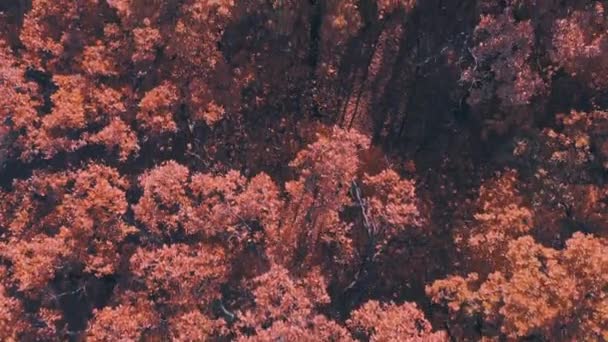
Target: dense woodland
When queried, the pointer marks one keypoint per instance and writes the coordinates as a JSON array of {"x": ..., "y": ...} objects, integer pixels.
[{"x": 303, "y": 170}]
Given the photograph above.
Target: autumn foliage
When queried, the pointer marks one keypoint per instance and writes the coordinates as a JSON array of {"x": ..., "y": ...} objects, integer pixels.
[{"x": 286, "y": 170}]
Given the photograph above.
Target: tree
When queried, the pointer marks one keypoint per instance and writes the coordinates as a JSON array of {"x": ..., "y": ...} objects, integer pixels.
[
  {"x": 581, "y": 50},
  {"x": 156, "y": 109},
  {"x": 79, "y": 219},
  {"x": 502, "y": 79},
  {"x": 288, "y": 308},
  {"x": 376, "y": 321},
  {"x": 194, "y": 326},
  {"x": 12, "y": 323},
  {"x": 539, "y": 292},
  {"x": 327, "y": 168},
  {"x": 164, "y": 193},
  {"x": 500, "y": 215},
  {"x": 181, "y": 275},
  {"x": 563, "y": 164},
  {"x": 129, "y": 321},
  {"x": 303, "y": 170}
]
